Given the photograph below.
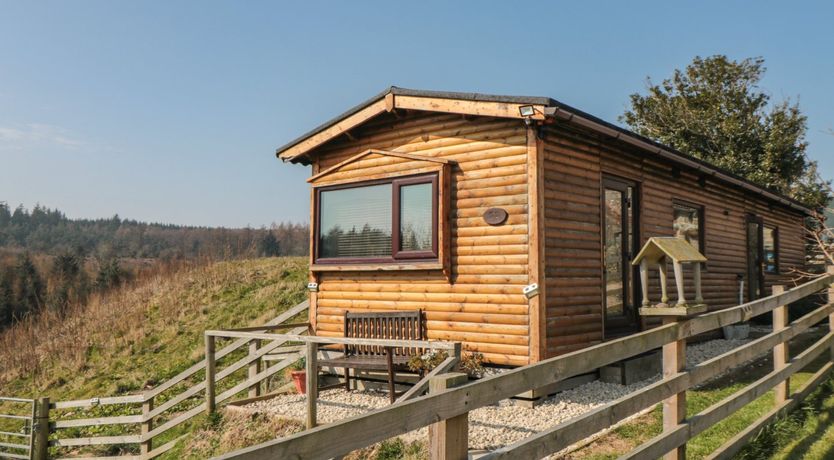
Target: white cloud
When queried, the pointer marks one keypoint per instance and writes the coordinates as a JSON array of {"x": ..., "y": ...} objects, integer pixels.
[{"x": 37, "y": 134}]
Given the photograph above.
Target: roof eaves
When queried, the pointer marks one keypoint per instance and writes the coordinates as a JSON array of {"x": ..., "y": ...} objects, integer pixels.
[
  {"x": 672, "y": 154},
  {"x": 397, "y": 91},
  {"x": 567, "y": 112},
  {"x": 331, "y": 122}
]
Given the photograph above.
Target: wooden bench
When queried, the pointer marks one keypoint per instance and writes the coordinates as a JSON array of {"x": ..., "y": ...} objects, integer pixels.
[{"x": 394, "y": 325}]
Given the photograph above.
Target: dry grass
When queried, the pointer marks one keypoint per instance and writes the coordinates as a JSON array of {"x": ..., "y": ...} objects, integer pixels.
[
  {"x": 27, "y": 347},
  {"x": 139, "y": 335},
  {"x": 235, "y": 430}
]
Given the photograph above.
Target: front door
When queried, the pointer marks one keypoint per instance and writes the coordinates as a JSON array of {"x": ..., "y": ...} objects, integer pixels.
[
  {"x": 620, "y": 240},
  {"x": 755, "y": 258}
]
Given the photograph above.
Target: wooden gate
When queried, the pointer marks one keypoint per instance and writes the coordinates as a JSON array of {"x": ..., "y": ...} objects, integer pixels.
[{"x": 17, "y": 421}]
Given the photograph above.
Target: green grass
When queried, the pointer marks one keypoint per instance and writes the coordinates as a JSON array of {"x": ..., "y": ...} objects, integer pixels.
[{"x": 807, "y": 433}]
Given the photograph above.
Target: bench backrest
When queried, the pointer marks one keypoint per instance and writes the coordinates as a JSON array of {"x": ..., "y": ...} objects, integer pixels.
[{"x": 395, "y": 325}]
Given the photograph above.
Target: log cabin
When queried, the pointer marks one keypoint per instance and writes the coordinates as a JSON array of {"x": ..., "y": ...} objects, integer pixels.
[{"x": 511, "y": 221}]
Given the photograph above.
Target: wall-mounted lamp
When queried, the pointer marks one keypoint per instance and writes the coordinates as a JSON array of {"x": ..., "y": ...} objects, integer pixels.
[{"x": 526, "y": 111}]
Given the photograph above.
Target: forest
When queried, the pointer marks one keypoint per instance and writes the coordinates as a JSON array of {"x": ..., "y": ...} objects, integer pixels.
[{"x": 50, "y": 261}]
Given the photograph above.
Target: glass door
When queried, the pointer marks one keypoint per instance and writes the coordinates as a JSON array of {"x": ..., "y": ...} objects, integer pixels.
[
  {"x": 755, "y": 258},
  {"x": 620, "y": 240}
]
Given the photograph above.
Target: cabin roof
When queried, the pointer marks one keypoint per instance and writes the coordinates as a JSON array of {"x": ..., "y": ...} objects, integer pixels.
[
  {"x": 296, "y": 150},
  {"x": 677, "y": 249}
]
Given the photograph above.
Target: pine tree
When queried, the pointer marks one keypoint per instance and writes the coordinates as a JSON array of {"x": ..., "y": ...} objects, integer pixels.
[
  {"x": 30, "y": 288},
  {"x": 268, "y": 246},
  {"x": 70, "y": 279},
  {"x": 5, "y": 214},
  {"x": 6, "y": 297},
  {"x": 110, "y": 274}
]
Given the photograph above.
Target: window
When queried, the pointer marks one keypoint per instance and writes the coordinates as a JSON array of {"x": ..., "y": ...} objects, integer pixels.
[
  {"x": 770, "y": 243},
  {"x": 689, "y": 224},
  {"x": 380, "y": 221}
]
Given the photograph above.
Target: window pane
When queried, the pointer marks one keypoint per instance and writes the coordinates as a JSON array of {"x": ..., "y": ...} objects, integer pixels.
[
  {"x": 687, "y": 225},
  {"x": 416, "y": 217},
  {"x": 356, "y": 222},
  {"x": 613, "y": 253},
  {"x": 769, "y": 244}
]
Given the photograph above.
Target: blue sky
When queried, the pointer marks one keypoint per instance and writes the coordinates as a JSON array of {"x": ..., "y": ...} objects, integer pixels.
[{"x": 171, "y": 111}]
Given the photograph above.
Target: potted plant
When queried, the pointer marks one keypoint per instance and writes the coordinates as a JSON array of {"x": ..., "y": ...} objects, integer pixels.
[
  {"x": 472, "y": 364},
  {"x": 298, "y": 374}
]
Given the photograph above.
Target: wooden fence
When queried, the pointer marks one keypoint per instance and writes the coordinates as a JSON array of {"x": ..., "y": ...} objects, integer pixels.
[
  {"x": 447, "y": 405},
  {"x": 153, "y": 414},
  {"x": 311, "y": 348}
]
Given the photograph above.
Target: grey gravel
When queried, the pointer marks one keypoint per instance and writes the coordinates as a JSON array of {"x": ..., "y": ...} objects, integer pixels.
[{"x": 492, "y": 426}]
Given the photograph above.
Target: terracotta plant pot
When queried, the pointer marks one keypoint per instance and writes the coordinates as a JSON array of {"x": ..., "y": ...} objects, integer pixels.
[{"x": 300, "y": 380}]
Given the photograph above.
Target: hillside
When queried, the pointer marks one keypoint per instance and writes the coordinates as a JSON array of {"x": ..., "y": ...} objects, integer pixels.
[
  {"x": 50, "y": 231},
  {"x": 49, "y": 262},
  {"x": 137, "y": 337}
]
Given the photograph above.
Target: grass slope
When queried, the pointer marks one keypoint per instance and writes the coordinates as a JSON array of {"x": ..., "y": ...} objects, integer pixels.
[
  {"x": 148, "y": 334},
  {"x": 140, "y": 337},
  {"x": 233, "y": 430}
]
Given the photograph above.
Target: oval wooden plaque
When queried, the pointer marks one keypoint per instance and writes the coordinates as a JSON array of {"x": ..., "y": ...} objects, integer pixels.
[{"x": 495, "y": 216}]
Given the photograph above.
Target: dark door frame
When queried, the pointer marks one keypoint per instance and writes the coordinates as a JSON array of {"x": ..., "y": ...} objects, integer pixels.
[
  {"x": 751, "y": 266},
  {"x": 630, "y": 321}
]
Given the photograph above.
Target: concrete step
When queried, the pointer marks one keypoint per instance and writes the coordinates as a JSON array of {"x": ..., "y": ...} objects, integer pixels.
[{"x": 632, "y": 370}]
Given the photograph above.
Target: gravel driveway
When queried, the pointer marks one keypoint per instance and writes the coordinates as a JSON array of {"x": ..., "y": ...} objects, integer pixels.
[{"x": 492, "y": 426}]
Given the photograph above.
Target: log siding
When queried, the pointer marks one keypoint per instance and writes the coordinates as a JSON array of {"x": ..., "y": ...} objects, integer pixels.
[
  {"x": 575, "y": 162},
  {"x": 477, "y": 299}
]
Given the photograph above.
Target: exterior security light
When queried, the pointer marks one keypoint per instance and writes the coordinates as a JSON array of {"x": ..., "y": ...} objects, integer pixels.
[{"x": 527, "y": 110}]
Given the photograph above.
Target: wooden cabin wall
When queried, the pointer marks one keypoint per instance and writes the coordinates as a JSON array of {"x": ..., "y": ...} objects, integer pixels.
[
  {"x": 575, "y": 161},
  {"x": 573, "y": 247},
  {"x": 481, "y": 303}
]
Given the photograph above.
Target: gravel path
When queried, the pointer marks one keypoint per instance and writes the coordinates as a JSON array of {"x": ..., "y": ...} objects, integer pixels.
[{"x": 492, "y": 426}]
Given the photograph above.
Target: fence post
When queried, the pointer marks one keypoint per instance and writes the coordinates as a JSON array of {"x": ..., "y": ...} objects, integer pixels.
[
  {"x": 210, "y": 372},
  {"x": 449, "y": 439},
  {"x": 147, "y": 425},
  {"x": 457, "y": 350},
  {"x": 254, "y": 368},
  {"x": 40, "y": 429},
  {"x": 312, "y": 387},
  {"x": 829, "y": 269},
  {"x": 780, "y": 351},
  {"x": 674, "y": 408}
]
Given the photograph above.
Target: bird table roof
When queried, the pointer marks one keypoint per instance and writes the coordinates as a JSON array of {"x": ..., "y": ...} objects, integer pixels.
[{"x": 677, "y": 249}]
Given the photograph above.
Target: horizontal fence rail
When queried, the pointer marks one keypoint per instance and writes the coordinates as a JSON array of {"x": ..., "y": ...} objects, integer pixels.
[{"x": 450, "y": 403}]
